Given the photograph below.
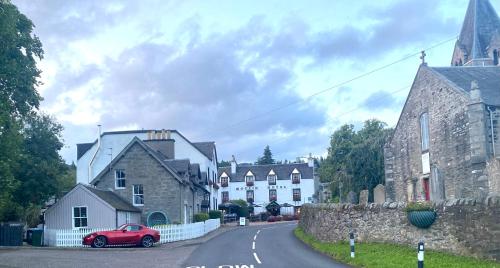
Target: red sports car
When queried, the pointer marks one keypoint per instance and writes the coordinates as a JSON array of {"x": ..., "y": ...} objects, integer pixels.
[{"x": 127, "y": 234}]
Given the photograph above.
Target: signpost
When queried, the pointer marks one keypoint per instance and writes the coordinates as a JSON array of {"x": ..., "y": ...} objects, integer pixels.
[{"x": 242, "y": 221}]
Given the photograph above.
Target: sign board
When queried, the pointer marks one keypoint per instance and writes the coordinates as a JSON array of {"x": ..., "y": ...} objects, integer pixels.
[
  {"x": 426, "y": 164},
  {"x": 242, "y": 221}
]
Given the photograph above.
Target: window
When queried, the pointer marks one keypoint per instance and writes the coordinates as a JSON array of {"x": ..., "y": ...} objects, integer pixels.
[
  {"x": 120, "y": 179},
  {"x": 127, "y": 217},
  {"x": 250, "y": 180},
  {"x": 133, "y": 228},
  {"x": 295, "y": 178},
  {"x": 271, "y": 179},
  {"x": 79, "y": 217},
  {"x": 224, "y": 181},
  {"x": 296, "y": 195},
  {"x": 424, "y": 131},
  {"x": 225, "y": 196},
  {"x": 272, "y": 195},
  {"x": 138, "y": 195},
  {"x": 495, "y": 57},
  {"x": 250, "y": 196}
]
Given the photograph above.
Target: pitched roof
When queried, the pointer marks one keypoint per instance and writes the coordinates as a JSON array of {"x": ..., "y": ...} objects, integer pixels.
[
  {"x": 179, "y": 165},
  {"x": 82, "y": 148},
  {"x": 113, "y": 199},
  {"x": 260, "y": 172},
  {"x": 481, "y": 23},
  {"x": 488, "y": 79},
  {"x": 207, "y": 148}
]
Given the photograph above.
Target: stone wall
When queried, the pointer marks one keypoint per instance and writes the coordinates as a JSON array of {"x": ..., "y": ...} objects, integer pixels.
[{"x": 463, "y": 226}]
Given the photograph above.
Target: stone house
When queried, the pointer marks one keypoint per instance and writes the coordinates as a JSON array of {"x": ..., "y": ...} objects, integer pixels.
[
  {"x": 146, "y": 174},
  {"x": 446, "y": 144}
]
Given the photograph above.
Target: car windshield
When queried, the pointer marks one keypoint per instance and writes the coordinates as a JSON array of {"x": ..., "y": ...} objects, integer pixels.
[{"x": 122, "y": 227}]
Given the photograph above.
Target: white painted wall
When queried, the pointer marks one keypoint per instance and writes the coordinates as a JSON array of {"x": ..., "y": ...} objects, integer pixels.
[
  {"x": 284, "y": 190},
  {"x": 118, "y": 141}
]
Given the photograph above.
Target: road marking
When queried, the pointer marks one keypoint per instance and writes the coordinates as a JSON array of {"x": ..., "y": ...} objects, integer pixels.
[
  {"x": 253, "y": 245},
  {"x": 255, "y": 237},
  {"x": 258, "y": 231},
  {"x": 257, "y": 258}
]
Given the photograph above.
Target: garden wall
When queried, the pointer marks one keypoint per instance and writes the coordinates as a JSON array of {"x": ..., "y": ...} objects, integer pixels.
[{"x": 463, "y": 226}]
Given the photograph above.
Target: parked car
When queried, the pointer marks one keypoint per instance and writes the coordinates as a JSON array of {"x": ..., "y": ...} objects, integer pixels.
[{"x": 127, "y": 234}]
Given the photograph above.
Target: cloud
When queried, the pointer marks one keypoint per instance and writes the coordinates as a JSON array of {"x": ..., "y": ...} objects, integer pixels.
[{"x": 380, "y": 100}]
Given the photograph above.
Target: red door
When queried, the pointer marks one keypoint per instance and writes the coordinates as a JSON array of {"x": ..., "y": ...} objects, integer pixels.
[{"x": 426, "y": 189}]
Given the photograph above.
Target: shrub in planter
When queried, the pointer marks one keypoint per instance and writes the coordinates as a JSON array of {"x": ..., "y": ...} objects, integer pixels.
[
  {"x": 214, "y": 214},
  {"x": 421, "y": 214},
  {"x": 199, "y": 217}
]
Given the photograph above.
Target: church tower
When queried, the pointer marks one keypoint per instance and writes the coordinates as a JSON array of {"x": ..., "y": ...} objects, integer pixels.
[{"x": 479, "y": 41}]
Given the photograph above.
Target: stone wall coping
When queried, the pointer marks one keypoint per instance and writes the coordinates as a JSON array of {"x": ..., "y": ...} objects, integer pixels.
[{"x": 490, "y": 201}]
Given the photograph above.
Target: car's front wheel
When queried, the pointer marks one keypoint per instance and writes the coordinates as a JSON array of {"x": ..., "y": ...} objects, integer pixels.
[
  {"x": 99, "y": 242},
  {"x": 147, "y": 241}
]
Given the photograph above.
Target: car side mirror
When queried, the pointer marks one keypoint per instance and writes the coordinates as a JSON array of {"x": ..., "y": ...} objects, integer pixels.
[{"x": 124, "y": 230}]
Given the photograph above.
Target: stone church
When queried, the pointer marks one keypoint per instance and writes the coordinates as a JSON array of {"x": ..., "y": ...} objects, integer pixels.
[{"x": 446, "y": 143}]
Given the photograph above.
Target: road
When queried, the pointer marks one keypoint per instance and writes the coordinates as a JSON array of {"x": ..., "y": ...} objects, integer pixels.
[{"x": 272, "y": 246}]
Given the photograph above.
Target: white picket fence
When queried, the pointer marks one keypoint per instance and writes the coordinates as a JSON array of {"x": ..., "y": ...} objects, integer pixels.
[{"x": 168, "y": 233}]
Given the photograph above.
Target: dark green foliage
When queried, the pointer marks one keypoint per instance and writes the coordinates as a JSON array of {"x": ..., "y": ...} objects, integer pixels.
[
  {"x": 419, "y": 206},
  {"x": 223, "y": 163},
  {"x": 30, "y": 165},
  {"x": 267, "y": 157},
  {"x": 242, "y": 210},
  {"x": 214, "y": 214},
  {"x": 355, "y": 159},
  {"x": 199, "y": 217}
]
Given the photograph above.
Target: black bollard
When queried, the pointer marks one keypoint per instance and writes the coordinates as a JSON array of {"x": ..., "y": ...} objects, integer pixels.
[
  {"x": 351, "y": 242},
  {"x": 420, "y": 255}
]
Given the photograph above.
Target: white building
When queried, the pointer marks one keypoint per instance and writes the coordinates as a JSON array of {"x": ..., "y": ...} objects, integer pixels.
[
  {"x": 292, "y": 184},
  {"x": 93, "y": 157}
]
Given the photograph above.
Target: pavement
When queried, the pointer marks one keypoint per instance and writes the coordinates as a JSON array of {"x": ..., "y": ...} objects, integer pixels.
[
  {"x": 258, "y": 245},
  {"x": 270, "y": 246}
]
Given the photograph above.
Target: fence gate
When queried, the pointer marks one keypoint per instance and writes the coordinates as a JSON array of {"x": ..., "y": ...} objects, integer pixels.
[{"x": 11, "y": 235}]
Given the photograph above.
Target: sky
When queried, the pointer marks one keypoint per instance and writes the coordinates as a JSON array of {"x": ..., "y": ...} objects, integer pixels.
[{"x": 244, "y": 74}]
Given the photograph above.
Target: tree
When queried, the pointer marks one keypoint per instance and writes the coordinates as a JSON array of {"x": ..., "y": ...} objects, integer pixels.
[
  {"x": 223, "y": 163},
  {"x": 267, "y": 157},
  {"x": 355, "y": 159},
  {"x": 18, "y": 98}
]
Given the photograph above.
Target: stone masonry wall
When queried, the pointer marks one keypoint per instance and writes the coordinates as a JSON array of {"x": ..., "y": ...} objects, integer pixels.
[
  {"x": 162, "y": 192},
  {"x": 449, "y": 141},
  {"x": 463, "y": 226}
]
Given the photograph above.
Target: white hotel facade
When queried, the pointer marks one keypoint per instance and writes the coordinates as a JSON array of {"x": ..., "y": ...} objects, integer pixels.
[{"x": 293, "y": 184}]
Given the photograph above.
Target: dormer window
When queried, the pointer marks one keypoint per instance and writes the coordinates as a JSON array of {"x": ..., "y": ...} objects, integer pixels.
[
  {"x": 296, "y": 176},
  {"x": 249, "y": 178},
  {"x": 224, "y": 180},
  {"x": 271, "y": 178}
]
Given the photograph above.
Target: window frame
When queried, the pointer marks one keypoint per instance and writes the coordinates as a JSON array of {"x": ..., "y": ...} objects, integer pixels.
[
  {"x": 299, "y": 177},
  {"x": 224, "y": 181},
  {"x": 138, "y": 194},
  {"x": 424, "y": 132},
  {"x": 273, "y": 180},
  {"x": 73, "y": 217},
  {"x": 275, "y": 195},
  {"x": 294, "y": 194},
  {"x": 222, "y": 196},
  {"x": 253, "y": 196},
  {"x": 121, "y": 179},
  {"x": 250, "y": 182}
]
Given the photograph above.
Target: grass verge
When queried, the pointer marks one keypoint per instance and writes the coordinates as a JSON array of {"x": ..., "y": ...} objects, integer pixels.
[{"x": 374, "y": 255}]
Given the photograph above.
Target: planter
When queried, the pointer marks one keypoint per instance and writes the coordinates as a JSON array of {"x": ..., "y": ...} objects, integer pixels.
[{"x": 422, "y": 219}]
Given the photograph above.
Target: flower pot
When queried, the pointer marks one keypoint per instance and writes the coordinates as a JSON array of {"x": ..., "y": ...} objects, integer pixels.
[{"x": 422, "y": 219}]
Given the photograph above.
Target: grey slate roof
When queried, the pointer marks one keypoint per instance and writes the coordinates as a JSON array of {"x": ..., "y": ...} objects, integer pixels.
[
  {"x": 488, "y": 79},
  {"x": 260, "y": 172},
  {"x": 480, "y": 25},
  {"x": 179, "y": 165},
  {"x": 113, "y": 199},
  {"x": 82, "y": 148},
  {"x": 207, "y": 148}
]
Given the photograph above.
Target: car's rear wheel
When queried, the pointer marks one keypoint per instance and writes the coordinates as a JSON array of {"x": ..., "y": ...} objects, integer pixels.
[
  {"x": 99, "y": 242},
  {"x": 147, "y": 241}
]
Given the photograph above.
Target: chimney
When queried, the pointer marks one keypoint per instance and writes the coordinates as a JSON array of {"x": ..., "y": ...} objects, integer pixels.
[
  {"x": 233, "y": 165},
  {"x": 310, "y": 160},
  {"x": 475, "y": 93}
]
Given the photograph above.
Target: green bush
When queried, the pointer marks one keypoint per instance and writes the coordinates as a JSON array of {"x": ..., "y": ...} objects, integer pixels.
[
  {"x": 199, "y": 217},
  {"x": 214, "y": 214},
  {"x": 419, "y": 206},
  {"x": 242, "y": 211}
]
